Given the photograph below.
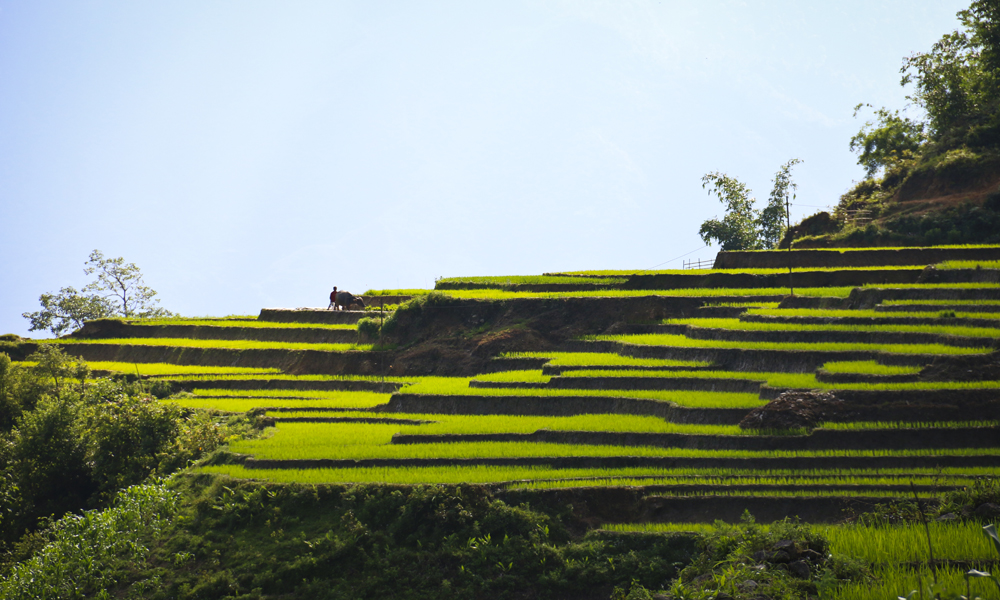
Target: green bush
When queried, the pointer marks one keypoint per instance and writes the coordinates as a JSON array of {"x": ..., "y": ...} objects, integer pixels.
[
  {"x": 67, "y": 446},
  {"x": 368, "y": 329},
  {"x": 88, "y": 553}
]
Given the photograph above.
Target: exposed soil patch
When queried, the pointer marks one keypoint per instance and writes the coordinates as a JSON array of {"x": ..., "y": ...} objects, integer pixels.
[
  {"x": 806, "y": 409},
  {"x": 976, "y": 367},
  {"x": 793, "y": 410}
]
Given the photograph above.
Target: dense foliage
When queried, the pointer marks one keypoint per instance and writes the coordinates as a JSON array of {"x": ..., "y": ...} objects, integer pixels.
[
  {"x": 235, "y": 539},
  {"x": 68, "y": 443}
]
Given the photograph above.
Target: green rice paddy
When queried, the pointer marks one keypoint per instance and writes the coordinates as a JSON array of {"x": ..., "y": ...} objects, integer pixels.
[
  {"x": 533, "y": 280},
  {"x": 497, "y": 294},
  {"x": 747, "y": 271},
  {"x": 361, "y": 441},
  {"x": 969, "y": 264},
  {"x": 738, "y": 325},
  {"x": 868, "y": 314},
  {"x": 356, "y": 426},
  {"x": 869, "y": 367},
  {"x": 956, "y": 302},
  {"x": 679, "y": 341},
  {"x": 250, "y": 323},
  {"x": 238, "y": 402},
  {"x": 604, "y": 359},
  {"x": 458, "y": 386},
  {"x": 511, "y": 474},
  {"x": 911, "y": 425},
  {"x": 789, "y": 380},
  {"x": 485, "y": 424},
  {"x": 211, "y": 375},
  {"x": 230, "y": 344},
  {"x": 887, "y": 250},
  {"x": 159, "y": 369}
]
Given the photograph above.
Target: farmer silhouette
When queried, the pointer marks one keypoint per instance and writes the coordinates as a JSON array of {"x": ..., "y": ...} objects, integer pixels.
[{"x": 333, "y": 299}]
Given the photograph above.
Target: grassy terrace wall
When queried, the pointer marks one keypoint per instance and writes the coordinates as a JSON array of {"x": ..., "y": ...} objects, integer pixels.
[
  {"x": 555, "y": 405},
  {"x": 291, "y": 361},
  {"x": 740, "y": 359},
  {"x": 777, "y": 259},
  {"x": 118, "y": 329},
  {"x": 310, "y": 315},
  {"x": 775, "y": 280}
]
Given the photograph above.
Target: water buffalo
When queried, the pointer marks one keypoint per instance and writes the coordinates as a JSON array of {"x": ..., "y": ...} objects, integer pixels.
[{"x": 347, "y": 301}]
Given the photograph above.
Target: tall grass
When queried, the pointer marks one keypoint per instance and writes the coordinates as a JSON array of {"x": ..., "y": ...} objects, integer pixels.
[
  {"x": 908, "y": 542},
  {"x": 230, "y": 344},
  {"x": 679, "y": 341},
  {"x": 898, "y": 581}
]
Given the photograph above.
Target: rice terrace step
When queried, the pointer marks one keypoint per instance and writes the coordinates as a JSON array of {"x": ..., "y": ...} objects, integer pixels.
[{"x": 579, "y": 385}]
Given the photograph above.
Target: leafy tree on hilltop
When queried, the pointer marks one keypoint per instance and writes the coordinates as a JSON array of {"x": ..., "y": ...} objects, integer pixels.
[
  {"x": 118, "y": 291},
  {"x": 744, "y": 227},
  {"x": 121, "y": 285},
  {"x": 957, "y": 84},
  {"x": 958, "y": 81}
]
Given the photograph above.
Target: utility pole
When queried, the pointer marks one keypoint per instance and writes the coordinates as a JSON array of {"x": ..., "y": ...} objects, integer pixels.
[
  {"x": 788, "y": 228},
  {"x": 381, "y": 321}
]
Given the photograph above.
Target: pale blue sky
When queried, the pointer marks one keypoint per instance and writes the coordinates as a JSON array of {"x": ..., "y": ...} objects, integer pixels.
[{"x": 250, "y": 154}]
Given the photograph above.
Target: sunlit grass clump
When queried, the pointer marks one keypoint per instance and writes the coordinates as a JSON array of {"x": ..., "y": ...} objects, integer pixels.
[{"x": 869, "y": 367}]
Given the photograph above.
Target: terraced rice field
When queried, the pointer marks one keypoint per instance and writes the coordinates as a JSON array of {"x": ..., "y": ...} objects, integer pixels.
[{"x": 651, "y": 408}]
